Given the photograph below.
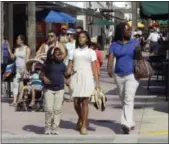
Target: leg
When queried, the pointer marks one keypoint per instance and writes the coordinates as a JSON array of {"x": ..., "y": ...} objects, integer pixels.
[
  {"x": 15, "y": 88},
  {"x": 33, "y": 89},
  {"x": 21, "y": 95},
  {"x": 120, "y": 86},
  {"x": 49, "y": 102},
  {"x": 78, "y": 109},
  {"x": 58, "y": 100},
  {"x": 131, "y": 86},
  {"x": 85, "y": 110}
]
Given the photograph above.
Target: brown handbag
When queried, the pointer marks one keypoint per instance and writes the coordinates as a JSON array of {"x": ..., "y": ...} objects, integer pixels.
[{"x": 142, "y": 68}]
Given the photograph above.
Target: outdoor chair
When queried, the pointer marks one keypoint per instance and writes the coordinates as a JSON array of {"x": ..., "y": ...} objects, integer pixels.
[{"x": 157, "y": 64}]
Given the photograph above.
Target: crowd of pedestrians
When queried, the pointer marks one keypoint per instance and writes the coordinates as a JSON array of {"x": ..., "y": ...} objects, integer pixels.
[{"x": 75, "y": 61}]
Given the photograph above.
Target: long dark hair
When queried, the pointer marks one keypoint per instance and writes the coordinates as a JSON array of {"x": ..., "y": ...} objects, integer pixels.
[
  {"x": 119, "y": 32},
  {"x": 88, "y": 38},
  {"x": 23, "y": 38}
]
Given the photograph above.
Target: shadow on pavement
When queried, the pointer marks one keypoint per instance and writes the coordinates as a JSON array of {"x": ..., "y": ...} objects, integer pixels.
[
  {"x": 6, "y": 100},
  {"x": 70, "y": 125},
  {"x": 162, "y": 108},
  {"x": 113, "y": 125},
  {"x": 34, "y": 129},
  {"x": 64, "y": 124}
]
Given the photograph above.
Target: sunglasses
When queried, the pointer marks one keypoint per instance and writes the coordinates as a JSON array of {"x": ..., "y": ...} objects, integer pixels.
[
  {"x": 69, "y": 34},
  {"x": 51, "y": 36}
]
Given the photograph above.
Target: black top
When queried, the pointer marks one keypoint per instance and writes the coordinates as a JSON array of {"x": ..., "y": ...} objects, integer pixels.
[{"x": 55, "y": 73}]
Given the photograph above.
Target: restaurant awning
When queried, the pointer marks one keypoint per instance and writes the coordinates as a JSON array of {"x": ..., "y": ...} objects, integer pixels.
[
  {"x": 154, "y": 10},
  {"x": 101, "y": 22},
  {"x": 55, "y": 17}
]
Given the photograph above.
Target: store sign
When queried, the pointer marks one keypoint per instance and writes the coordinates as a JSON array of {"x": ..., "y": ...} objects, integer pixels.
[
  {"x": 40, "y": 33},
  {"x": 40, "y": 29}
]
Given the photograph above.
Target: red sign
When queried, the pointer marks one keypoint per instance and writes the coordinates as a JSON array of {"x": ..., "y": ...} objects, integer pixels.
[{"x": 40, "y": 33}]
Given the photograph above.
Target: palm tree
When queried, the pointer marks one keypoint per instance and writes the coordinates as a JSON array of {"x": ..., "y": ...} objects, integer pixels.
[{"x": 31, "y": 30}]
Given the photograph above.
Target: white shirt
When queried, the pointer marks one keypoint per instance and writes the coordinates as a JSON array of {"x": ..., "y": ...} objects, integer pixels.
[
  {"x": 82, "y": 58},
  {"x": 69, "y": 46},
  {"x": 154, "y": 37}
]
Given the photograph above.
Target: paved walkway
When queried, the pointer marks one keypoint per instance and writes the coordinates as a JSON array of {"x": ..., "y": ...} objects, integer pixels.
[{"x": 151, "y": 116}]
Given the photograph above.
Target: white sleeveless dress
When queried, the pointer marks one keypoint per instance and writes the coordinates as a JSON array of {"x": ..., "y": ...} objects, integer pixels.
[
  {"x": 20, "y": 67},
  {"x": 82, "y": 82}
]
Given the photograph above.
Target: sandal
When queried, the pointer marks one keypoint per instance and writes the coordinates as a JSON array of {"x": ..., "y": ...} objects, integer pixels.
[
  {"x": 13, "y": 104},
  {"x": 83, "y": 131},
  {"x": 31, "y": 104},
  {"x": 19, "y": 101}
]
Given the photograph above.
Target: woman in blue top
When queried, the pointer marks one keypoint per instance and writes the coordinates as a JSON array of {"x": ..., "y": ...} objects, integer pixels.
[
  {"x": 123, "y": 49},
  {"x": 6, "y": 52}
]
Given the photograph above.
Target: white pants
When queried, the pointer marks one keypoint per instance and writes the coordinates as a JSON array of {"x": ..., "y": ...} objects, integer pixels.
[
  {"x": 127, "y": 86},
  {"x": 16, "y": 82},
  {"x": 53, "y": 101}
]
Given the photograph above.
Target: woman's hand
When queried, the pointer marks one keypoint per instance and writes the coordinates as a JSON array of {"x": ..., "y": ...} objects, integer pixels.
[
  {"x": 110, "y": 65},
  {"x": 67, "y": 82},
  {"x": 46, "y": 80},
  {"x": 12, "y": 56},
  {"x": 110, "y": 72}
]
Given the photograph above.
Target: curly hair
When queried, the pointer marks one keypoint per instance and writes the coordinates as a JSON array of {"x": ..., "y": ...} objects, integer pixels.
[{"x": 88, "y": 38}]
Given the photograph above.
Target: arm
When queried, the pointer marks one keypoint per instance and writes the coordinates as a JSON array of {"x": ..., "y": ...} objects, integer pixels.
[
  {"x": 69, "y": 69},
  {"x": 149, "y": 38},
  {"x": 44, "y": 78},
  {"x": 63, "y": 50},
  {"x": 95, "y": 72},
  {"x": 9, "y": 50},
  {"x": 28, "y": 53},
  {"x": 100, "y": 58},
  {"x": 110, "y": 64},
  {"x": 94, "y": 68},
  {"x": 41, "y": 49}
]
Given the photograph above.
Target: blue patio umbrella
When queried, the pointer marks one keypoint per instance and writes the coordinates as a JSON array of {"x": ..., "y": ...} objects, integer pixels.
[
  {"x": 59, "y": 17},
  {"x": 55, "y": 17},
  {"x": 70, "y": 18}
]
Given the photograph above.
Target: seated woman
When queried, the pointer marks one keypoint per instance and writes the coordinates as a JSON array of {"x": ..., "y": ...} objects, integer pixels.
[{"x": 34, "y": 85}]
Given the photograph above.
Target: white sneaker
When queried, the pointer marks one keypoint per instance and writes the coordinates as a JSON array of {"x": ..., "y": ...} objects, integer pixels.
[
  {"x": 47, "y": 132},
  {"x": 55, "y": 132}
]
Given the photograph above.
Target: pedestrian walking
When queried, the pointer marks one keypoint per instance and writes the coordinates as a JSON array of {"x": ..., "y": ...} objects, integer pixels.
[
  {"x": 51, "y": 42},
  {"x": 99, "y": 61},
  {"x": 63, "y": 34},
  {"x": 7, "y": 56},
  {"x": 7, "y": 53},
  {"x": 21, "y": 54},
  {"x": 71, "y": 43},
  {"x": 53, "y": 74},
  {"x": 82, "y": 81},
  {"x": 123, "y": 49},
  {"x": 70, "y": 46},
  {"x": 154, "y": 38}
]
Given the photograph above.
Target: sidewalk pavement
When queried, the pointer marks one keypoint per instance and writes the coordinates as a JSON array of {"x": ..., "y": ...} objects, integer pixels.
[{"x": 151, "y": 117}]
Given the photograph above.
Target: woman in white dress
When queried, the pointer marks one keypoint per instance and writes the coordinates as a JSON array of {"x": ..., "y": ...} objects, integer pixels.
[
  {"x": 21, "y": 54},
  {"x": 81, "y": 62}
]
